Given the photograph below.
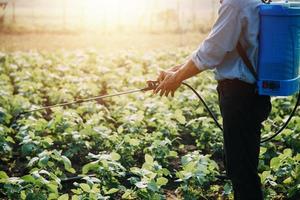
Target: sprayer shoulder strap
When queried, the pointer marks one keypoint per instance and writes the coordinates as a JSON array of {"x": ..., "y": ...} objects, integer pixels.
[{"x": 242, "y": 52}]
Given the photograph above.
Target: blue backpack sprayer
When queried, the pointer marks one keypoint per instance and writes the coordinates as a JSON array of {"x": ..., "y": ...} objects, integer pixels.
[
  {"x": 278, "y": 67},
  {"x": 279, "y": 49}
]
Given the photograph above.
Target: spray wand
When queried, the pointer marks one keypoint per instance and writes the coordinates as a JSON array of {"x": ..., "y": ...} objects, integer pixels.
[{"x": 151, "y": 86}]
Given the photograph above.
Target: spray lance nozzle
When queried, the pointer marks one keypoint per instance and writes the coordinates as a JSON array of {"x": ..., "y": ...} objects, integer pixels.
[{"x": 152, "y": 85}]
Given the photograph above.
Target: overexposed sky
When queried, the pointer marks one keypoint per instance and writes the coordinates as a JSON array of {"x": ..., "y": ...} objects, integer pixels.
[{"x": 108, "y": 12}]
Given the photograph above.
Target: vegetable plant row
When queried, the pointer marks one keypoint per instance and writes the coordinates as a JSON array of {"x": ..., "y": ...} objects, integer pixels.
[{"x": 138, "y": 146}]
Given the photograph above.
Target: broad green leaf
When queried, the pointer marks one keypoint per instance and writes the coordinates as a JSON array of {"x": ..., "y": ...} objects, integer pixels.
[
  {"x": 71, "y": 170},
  {"x": 53, "y": 187},
  {"x": 120, "y": 129},
  {"x": 104, "y": 163},
  {"x": 3, "y": 175},
  {"x": 77, "y": 191},
  {"x": 147, "y": 166},
  {"x": 75, "y": 197},
  {"x": 134, "y": 142},
  {"x": 263, "y": 150},
  {"x": 297, "y": 157},
  {"x": 149, "y": 159},
  {"x": 190, "y": 167},
  {"x": 95, "y": 188},
  {"x": 165, "y": 171},
  {"x": 112, "y": 190},
  {"x": 173, "y": 154},
  {"x": 126, "y": 194},
  {"x": 28, "y": 148},
  {"x": 151, "y": 175},
  {"x": 66, "y": 161},
  {"x": 68, "y": 165},
  {"x": 288, "y": 180},
  {"x": 135, "y": 170},
  {"x": 52, "y": 196},
  {"x": 127, "y": 138},
  {"x": 161, "y": 181},
  {"x": 90, "y": 166},
  {"x": 272, "y": 183},
  {"x": 141, "y": 184},
  {"x": 115, "y": 156},
  {"x": 35, "y": 196},
  {"x": 179, "y": 117},
  {"x": 23, "y": 195},
  {"x": 264, "y": 176},
  {"x": 288, "y": 152},
  {"x": 48, "y": 140},
  {"x": 85, "y": 187},
  {"x": 44, "y": 172},
  {"x": 28, "y": 178},
  {"x": 287, "y": 132},
  {"x": 275, "y": 162},
  {"x": 63, "y": 197},
  {"x": 227, "y": 189},
  {"x": 43, "y": 161},
  {"x": 152, "y": 186},
  {"x": 10, "y": 139},
  {"x": 32, "y": 161}
]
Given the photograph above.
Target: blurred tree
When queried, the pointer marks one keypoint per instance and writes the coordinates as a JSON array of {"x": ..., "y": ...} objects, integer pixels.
[
  {"x": 3, "y": 5},
  {"x": 14, "y": 11},
  {"x": 194, "y": 14},
  {"x": 64, "y": 14},
  {"x": 168, "y": 16},
  {"x": 153, "y": 11},
  {"x": 178, "y": 16}
]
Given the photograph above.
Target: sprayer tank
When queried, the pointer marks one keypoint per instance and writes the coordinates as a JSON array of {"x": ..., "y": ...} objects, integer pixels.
[{"x": 279, "y": 49}]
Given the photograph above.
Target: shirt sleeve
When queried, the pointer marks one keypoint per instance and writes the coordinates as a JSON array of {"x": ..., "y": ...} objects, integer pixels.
[{"x": 223, "y": 38}]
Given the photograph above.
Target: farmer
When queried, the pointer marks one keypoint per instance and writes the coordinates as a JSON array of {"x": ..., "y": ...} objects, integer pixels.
[{"x": 242, "y": 109}]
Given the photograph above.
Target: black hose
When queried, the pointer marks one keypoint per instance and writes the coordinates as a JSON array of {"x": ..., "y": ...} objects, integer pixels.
[
  {"x": 205, "y": 105},
  {"x": 287, "y": 121},
  {"x": 220, "y": 127}
]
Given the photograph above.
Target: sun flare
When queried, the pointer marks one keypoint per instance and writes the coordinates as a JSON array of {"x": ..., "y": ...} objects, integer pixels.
[{"x": 114, "y": 12}]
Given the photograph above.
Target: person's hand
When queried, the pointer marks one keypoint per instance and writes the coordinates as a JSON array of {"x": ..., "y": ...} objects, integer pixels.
[
  {"x": 163, "y": 73},
  {"x": 168, "y": 83}
]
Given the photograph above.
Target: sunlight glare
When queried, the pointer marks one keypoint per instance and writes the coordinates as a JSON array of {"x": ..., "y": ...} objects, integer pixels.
[{"x": 114, "y": 12}]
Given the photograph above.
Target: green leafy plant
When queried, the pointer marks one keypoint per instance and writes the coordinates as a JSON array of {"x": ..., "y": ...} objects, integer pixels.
[
  {"x": 198, "y": 171},
  {"x": 50, "y": 160},
  {"x": 283, "y": 175},
  {"x": 151, "y": 178}
]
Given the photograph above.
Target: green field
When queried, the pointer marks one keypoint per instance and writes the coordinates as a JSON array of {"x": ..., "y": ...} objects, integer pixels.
[{"x": 138, "y": 146}]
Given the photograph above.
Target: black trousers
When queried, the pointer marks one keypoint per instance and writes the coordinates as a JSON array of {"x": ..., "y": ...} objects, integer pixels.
[{"x": 243, "y": 112}]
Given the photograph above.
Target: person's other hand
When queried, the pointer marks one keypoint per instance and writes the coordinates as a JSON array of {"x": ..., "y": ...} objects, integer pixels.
[{"x": 168, "y": 83}]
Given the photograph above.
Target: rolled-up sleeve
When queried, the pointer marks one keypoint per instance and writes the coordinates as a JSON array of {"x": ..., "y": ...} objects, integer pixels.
[{"x": 223, "y": 38}]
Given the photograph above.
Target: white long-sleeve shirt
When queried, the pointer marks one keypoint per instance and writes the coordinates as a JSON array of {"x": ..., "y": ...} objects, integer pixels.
[{"x": 238, "y": 20}]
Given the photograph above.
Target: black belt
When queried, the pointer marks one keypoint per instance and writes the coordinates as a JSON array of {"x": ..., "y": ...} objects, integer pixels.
[{"x": 237, "y": 86}]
